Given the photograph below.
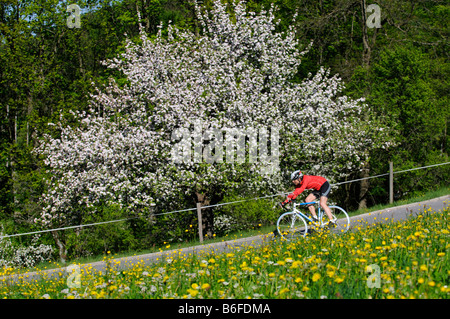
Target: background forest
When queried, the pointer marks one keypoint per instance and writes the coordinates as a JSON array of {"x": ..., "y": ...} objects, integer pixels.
[{"x": 48, "y": 71}]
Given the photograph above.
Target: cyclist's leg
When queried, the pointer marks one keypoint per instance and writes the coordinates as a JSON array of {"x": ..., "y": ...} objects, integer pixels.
[
  {"x": 323, "y": 204},
  {"x": 310, "y": 198},
  {"x": 324, "y": 192}
]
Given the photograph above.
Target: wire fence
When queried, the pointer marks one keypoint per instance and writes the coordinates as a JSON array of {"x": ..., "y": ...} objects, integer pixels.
[{"x": 215, "y": 205}]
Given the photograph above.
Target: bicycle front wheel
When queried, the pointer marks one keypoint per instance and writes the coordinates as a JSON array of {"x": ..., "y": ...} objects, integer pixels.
[
  {"x": 341, "y": 218},
  {"x": 291, "y": 225}
]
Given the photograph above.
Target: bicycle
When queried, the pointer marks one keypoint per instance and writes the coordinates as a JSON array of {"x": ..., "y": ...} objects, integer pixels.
[{"x": 293, "y": 224}]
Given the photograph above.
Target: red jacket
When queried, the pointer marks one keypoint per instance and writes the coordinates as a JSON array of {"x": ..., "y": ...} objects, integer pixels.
[{"x": 308, "y": 182}]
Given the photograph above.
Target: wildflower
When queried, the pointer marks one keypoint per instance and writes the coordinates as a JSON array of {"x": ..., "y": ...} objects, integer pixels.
[
  {"x": 338, "y": 280},
  {"x": 316, "y": 277},
  {"x": 193, "y": 292},
  {"x": 112, "y": 287},
  {"x": 431, "y": 283},
  {"x": 206, "y": 286},
  {"x": 362, "y": 260},
  {"x": 283, "y": 291}
]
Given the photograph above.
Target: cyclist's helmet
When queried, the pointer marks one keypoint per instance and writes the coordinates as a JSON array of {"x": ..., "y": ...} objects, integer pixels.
[{"x": 296, "y": 175}]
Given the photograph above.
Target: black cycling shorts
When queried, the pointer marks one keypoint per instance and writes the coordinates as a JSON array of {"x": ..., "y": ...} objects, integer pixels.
[{"x": 324, "y": 190}]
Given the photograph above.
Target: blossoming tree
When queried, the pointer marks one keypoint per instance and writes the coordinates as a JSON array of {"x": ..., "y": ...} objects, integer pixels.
[{"x": 235, "y": 74}]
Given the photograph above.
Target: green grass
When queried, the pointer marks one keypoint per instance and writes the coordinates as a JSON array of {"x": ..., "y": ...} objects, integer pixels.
[{"x": 406, "y": 259}]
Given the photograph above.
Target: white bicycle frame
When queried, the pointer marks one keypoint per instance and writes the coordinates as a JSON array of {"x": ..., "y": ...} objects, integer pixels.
[{"x": 303, "y": 217}]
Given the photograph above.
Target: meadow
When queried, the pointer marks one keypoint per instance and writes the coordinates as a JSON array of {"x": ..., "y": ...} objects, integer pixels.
[{"x": 405, "y": 259}]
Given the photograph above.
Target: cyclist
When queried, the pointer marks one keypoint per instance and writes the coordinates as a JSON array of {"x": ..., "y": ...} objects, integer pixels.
[{"x": 321, "y": 190}]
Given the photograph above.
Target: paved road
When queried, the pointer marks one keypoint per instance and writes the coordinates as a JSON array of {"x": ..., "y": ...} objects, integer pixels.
[
  {"x": 404, "y": 211},
  {"x": 392, "y": 214}
]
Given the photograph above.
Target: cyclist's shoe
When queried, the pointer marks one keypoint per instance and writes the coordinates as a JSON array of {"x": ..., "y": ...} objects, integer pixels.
[{"x": 276, "y": 233}]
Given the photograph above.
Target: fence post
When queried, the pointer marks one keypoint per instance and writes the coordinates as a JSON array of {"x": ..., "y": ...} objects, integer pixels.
[
  {"x": 391, "y": 182},
  {"x": 200, "y": 226}
]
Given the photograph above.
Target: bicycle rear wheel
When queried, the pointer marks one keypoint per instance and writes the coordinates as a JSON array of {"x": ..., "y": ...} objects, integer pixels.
[
  {"x": 340, "y": 217},
  {"x": 291, "y": 225}
]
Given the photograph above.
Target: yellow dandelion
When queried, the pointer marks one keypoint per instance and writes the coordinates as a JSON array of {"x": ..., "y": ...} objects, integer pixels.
[
  {"x": 283, "y": 291},
  {"x": 206, "y": 286},
  {"x": 193, "y": 292},
  {"x": 316, "y": 277}
]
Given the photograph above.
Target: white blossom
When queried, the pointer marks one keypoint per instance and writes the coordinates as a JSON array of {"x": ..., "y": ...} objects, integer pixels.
[{"x": 236, "y": 74}]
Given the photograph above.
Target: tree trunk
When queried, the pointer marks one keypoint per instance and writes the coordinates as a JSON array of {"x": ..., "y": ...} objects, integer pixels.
[
  {"x": 364, "y": 187},
  {"x": 347, "y": 188},
  {"x": 61, "y": 245},
  {"x": 365, "y": 36}
]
